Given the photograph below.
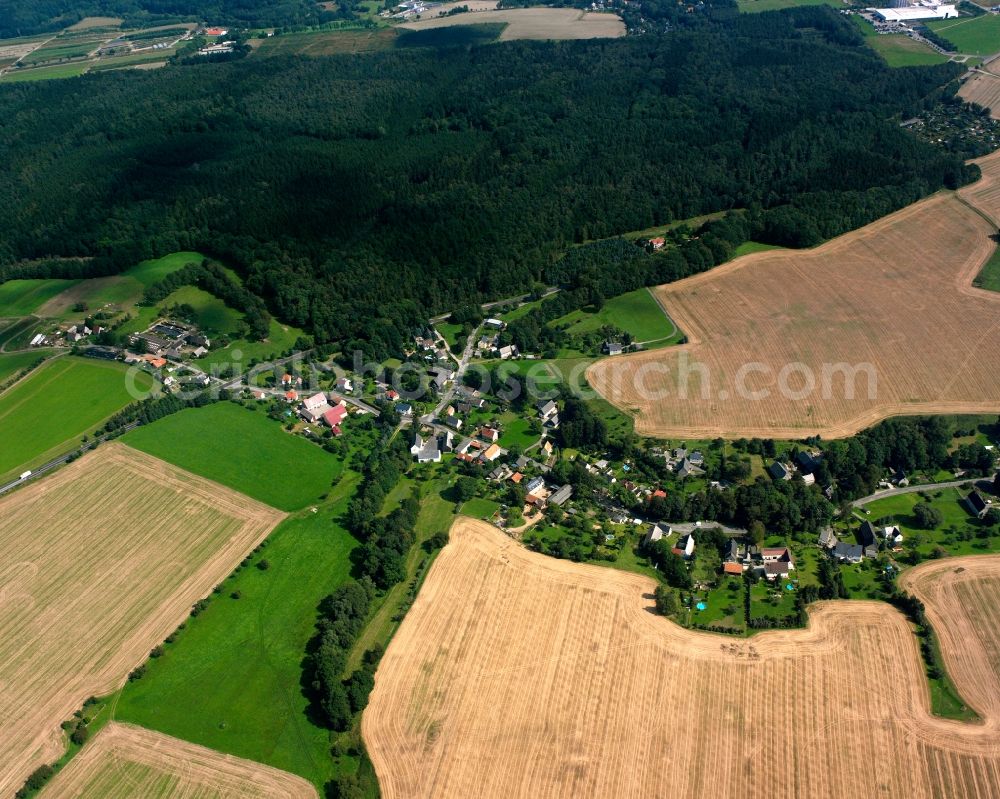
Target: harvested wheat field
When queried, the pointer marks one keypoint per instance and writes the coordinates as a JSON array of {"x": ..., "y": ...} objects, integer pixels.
[
  {"x": 516, "y": 675},
  {"x": 962, "y": 596},
  {"x": 535, "y": 23},
  {"x": 101, "y": 561},
  {"x": 769, "y": 333},
  {"x": 983, "y": 88},
  {"x": 126, "y": 762}
]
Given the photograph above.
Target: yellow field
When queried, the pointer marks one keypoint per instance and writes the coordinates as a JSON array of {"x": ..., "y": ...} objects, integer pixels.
[
  {"x": 983, "y": 88},
  {"x": 126, "y": 762},
  {"x": 516, "y": 675},
  {"x": 535, "y": 23},
  {"x": 101, "y": 561},
  {"x": 770, "y": 333}
]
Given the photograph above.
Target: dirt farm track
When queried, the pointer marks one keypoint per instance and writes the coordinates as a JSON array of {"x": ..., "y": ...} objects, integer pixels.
[
  {"x": 896, "y": 295},
  {"x": 126, "y": 762},
  {"x": 516, "y": 675},
  {"x": 101, "y": 561}
]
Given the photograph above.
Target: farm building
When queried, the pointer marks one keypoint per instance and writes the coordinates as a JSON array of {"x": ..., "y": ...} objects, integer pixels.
[{"x": 976, "y": 504}]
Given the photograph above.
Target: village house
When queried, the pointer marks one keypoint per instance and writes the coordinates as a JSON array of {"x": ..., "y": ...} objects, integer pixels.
[
  {"x": 779, "y": 471},
  {"x": 453, "y": 422},
  {"x": 868, "y": 539},
  {"x": 404, "y": 409},
  {"x": 684, "y": 546},
  {"x": 613, "y": 348},
  {"x": 344, "y": 385},
  {"x": 561, "y": 495},
  {"x": 425, "y": 450},
  {"x": 976, "y": 504},
  {"x": 848, "y": 553},
  {"x": 507, "y": 352},
  {"x": 893, "y": 537},
  {"x": 491, "y": 453},
  {"x": 655, "y": 533},
  {"x": 315, "y": 402},
  {"x": 490, "y": 434},
  {"x": 534, "y": 484},
  {"x": 827, "y": 538},
  {"x": 199, "y": 352},
  {"x": 291, "y": 395}
]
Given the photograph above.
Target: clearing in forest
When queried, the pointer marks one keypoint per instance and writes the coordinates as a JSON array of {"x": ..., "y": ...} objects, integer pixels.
[
  {"x": 535, "y": 23},
  {"x": 102, "y": 561},
  {"x": 516, "y": 675},
  {"x": 126, "y": 762},
  {"x": 879, "y": 322}
]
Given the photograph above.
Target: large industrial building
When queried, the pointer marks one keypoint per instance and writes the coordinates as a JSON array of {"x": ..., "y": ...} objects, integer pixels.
[{"x": 915, "y": 12}]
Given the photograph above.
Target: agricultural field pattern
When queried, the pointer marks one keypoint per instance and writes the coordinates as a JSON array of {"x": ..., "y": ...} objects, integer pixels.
[
  {"x": 562, "y": 678},
  {"x": 896, "y": 294},
  {"x": 101, "y": 562}
]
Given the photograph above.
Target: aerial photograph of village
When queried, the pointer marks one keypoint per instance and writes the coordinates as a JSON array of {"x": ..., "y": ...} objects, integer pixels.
[{"x": 499, "y": 399}]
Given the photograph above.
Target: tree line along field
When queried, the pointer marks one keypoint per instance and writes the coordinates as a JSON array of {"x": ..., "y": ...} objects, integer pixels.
[
  {"x": 231, "y": 680},
  {"x": 896, "y": 294},
  {"x": 43, "y": 415},
  {"x": 515, "y": 675},
  {"x": 101, "y": 561},
  {"x": 126, "y": 762},
  {"x": 971, "y": 35},
  {"x": 244, "y": 450}
]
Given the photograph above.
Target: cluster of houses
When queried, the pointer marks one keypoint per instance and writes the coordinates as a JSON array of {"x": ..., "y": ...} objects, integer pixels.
[
  {"x": 318, "y": 408},
  {"x": 770, "y": 563},
  {"x": 805, "y": 464},
  {"x": 172, "y": 340},
  {"x": 869, "y": 540}
]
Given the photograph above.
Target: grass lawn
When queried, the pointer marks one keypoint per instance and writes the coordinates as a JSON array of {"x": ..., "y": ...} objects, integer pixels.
[
  {"x": 756, "y": 6},
  {"x": 767, "y": 603},
  {"x": 23, "y": 297},
  {"x": 957, "y": 533},
  {"x": 14, "y": 362},
  {"x": 636, "y": 313},
  {"x": 480, "y": 508},
  {"x": 515, "y": 431},
  {"x": 750, "y": 247},
  {"x": 46, "y": 73},
  {"x": 155, "y": 269},
  {"x": 211, "y": 314},
  {"x": 231, "y": 681},
  {"x": 281, "y": 338},
  {"x": 988, "y": 278},
  {"x": 244, "y": 450},
  {"x": 453, "y": 335},
  {"x": 724, "y": 605},
  {"x": 44, "y": 415},
  {"x": 898, "y": 50},
  {"x": 971, "y": 35}
]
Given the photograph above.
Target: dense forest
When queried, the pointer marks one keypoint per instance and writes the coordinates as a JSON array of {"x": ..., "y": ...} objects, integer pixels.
[
  {"x": 359, "y": 195},
  {"x": 26, "y": 17}
]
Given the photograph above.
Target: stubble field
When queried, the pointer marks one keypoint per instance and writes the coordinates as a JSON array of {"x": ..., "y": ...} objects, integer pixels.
[
  {"x": 983, "y": 88},
  {"x": 126, "y": 762},
  {"x": 893, "y": 300},
  {"x": 535, "y": 23},
  {"x": 515, "y": 675},
  {"x": 101, "y": 562}
]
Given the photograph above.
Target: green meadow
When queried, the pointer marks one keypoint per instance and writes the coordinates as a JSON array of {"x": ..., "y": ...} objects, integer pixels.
[
  {"x": 44, "y": 415},
  {"x": 12, "y": 363},
  {"x": 244, "y": 450},
  {"x": 636, "y": 312},
  {"x": 23, "y": 297},
  {"x": 971, "y": 35},
  {"x": 231, "y": 680}
]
